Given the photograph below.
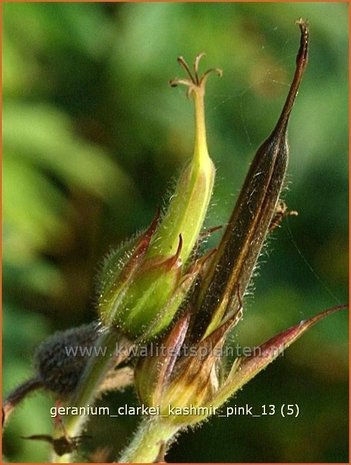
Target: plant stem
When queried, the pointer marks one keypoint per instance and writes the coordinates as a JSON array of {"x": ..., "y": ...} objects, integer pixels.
[{"x": 150, "y": 438}]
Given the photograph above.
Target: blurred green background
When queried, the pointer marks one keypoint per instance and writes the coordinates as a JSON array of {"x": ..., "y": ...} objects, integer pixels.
[{"x": 93, "y": 139}]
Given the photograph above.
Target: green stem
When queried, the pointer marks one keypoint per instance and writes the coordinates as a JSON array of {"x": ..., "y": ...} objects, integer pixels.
[{"x": 149, "y": 440}]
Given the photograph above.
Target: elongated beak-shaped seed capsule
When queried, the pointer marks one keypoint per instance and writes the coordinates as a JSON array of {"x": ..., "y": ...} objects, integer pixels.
[
  {"x": 240, "y": 247},
  {"x": 188, "y": 206},
  {"x": 142, "y": 287}
]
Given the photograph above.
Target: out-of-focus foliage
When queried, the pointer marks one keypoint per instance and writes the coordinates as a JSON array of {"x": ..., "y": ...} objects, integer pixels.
[{"x": 93, "y": 137}]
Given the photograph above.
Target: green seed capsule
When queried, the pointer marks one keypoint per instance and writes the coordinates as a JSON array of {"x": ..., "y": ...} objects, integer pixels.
[
  {"x": 143, "y": 286},
  {"x": 188, "y": 207}
]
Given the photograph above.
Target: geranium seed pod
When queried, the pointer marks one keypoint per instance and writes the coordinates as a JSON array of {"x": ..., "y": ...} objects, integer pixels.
[
  {"x": 242, "y": 242},
  {"x": 138, "y": 286},
  {"x": 60, "y": 359},
  {"x": 189, "y": 203}
]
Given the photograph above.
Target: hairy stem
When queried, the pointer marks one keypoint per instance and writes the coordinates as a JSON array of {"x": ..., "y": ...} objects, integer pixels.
[
  {"x": 151, "y": 437},
  {"x": 16, "y": 396}
]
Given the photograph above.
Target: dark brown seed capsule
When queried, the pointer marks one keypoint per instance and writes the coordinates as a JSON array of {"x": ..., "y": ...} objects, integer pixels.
[
  {"x": 243, "y": 239},
  {"x": 61, "y": 359}
]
